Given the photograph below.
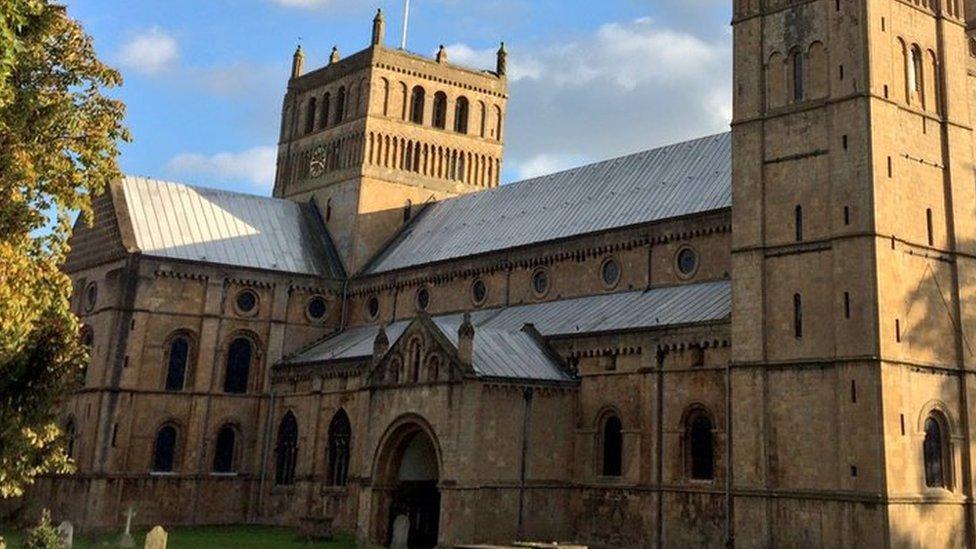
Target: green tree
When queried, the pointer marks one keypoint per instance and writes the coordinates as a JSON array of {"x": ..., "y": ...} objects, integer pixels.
[{"x": 59, "y": 138}]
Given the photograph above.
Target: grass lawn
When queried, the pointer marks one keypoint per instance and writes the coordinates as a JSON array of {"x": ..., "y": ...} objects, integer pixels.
[{"x": 233, "y": 537}]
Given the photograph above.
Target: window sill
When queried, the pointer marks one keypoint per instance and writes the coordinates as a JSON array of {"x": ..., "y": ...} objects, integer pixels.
[
  {"x": 162, "y": 473},
  {"x": 230, "y": 474}
]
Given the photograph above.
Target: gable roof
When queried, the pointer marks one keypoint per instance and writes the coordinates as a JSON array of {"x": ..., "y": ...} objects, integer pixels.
[
  {"x": 672, "y": 181},
  {"x": 655, "y": 308},
  {"x": 177, "y": 221}
]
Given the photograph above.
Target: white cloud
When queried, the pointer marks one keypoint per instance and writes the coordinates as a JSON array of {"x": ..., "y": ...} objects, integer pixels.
[
  {"x": 544, "y": 164},
  {"x": 301, "y": 3},
  {"x": 151, "y": 52},
  {"x": 255, "y": 166},
  {"x": 624, "y": 87}
]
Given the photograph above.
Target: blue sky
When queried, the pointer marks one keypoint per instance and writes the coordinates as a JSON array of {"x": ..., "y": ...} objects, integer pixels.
[{"x": 204, "y": 79}]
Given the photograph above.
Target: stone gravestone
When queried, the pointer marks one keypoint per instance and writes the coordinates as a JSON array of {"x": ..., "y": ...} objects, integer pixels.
[
  {"x": 156, "y": 538},
  {"x": 66, "y": 533},
  {"x": 401, "y": 532}
]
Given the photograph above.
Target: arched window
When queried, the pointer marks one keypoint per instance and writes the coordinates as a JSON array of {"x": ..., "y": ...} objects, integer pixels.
[
  {"x": 340, "y": 108},
  {"x": 310, "y": 115},
  {"x": 798, "y": 222},
  {"x": 612, "y": 439},
  {"x": 914, "y": 70},
  {"x": 440, "y": 110},
  {"x": 239, "y": 356},
  {"x": 776, "y": 80},
  {"x": 340, "y": 433},
  {"x": 179, "y": 356},
  {"x": 324, "y": 117},
  {"x": 461, "y": 115},
  {"x": 798, "y": 70},
  {"x": 414, "y": 359},
  {"x": 934, "y": 452},
  {"x": 286, "y": 450},
  {"x": 700, "y": 447},
  {"x": 164, "y": 450},
  {"x": 404, "y": 101},
  {"x": 797, "y": 316},
  {"x": 417, "y": 104},
  {"x": 498, "y": 123},
  {"x": 70, "y": 434},
  {"x": 484, "y": 118},
  {"x": 224, "y": 450}
]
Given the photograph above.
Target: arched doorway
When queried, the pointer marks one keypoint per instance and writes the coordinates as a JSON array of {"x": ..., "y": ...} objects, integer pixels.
[{"x": 408, "y": 476}]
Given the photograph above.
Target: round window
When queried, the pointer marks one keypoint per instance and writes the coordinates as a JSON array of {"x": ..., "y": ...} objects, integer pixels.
[
  {"x": 423, "y": 299},
  {"x": 373, "y": 307},
  {"x": 91, "y": 296},
  {"x": 479, "y": 291},
  {"x": 610, "y": 272},
  {"x": 247, "y": 302},
  {"x": 687, "y": 261},
  {"x": 540, "y": 282},
  {"x": 317, "y": 307}
]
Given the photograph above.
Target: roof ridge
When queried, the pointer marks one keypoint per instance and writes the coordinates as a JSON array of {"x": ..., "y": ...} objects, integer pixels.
[{"x": 142, "y": 179}]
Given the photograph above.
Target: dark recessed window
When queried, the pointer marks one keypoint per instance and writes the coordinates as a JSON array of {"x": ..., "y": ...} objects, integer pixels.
[
  {"x": 373, "y": 307},
  {"x": 540, "y": 282},
  {"x": 479, "y": 291},
  {"x": 247, "y": 302},
  {"x": 611, "y": 272},
  {"x": 224, "y": 450},
  {"x": 613, "y": 445},
  {"x": 687, "y": 262},
  {"x": 91, "y": 296},
  {"x": 317, "y": 307},
  {"x": 423, "y": 299},
  {"x": 164, "y": 451},
  {"x": 239, "y": 356},
  {"x": 179, "y": 355}
]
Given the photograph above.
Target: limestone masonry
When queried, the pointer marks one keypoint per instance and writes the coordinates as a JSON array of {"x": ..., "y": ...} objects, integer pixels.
[{"x": 765, "y": 336}]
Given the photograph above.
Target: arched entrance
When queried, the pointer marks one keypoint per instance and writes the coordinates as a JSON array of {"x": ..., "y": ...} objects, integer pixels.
[{"x": 408, "y": 472}]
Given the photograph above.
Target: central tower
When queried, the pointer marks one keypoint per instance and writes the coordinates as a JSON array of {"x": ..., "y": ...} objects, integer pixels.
[{"x": 374, "y": 137}]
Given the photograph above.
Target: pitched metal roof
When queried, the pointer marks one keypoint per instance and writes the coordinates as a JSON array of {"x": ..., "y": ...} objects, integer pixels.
[
  {"x": 502, "y": 349},
  {"x": 178, "y": 221},
  {"x": 672, "y": 181}
]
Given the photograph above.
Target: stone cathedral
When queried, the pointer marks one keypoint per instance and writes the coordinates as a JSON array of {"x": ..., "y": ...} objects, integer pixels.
[{"x": 762, "y": 338}]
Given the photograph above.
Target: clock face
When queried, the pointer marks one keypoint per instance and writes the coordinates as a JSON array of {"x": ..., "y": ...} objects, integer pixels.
[{"x": 316, "y": 166}]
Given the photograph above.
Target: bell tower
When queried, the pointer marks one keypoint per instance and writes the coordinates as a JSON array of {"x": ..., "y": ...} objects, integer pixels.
[
  {"x": 373, "y": 137},
  {"x": 853, "y": 272}
]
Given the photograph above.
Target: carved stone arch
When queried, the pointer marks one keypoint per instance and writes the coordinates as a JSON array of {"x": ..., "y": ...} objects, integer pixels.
[
  {"x": 938, "y": 407},
  {"x": 930, "y": 81},
  {"x": 383, "y": 468},
  {"x": 434, "y": 366}
]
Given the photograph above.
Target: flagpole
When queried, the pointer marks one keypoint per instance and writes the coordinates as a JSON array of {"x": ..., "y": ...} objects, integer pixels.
[{"x": 406, "y": 18}]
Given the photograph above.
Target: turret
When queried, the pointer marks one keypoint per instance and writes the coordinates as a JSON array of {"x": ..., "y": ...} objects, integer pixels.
[
  {"x": 379, "y": 28},
  {"x": 466, "y": 341},
  {"x": 298, "y": 62},
  {"x": 502, "y": 67}
]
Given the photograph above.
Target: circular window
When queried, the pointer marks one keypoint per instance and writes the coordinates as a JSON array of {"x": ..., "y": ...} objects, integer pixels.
[
  {"x": 687, "y": 262},
  {"x": 91, "y": 296},
  {"x": 610, "y": 272},
  {"x": 247, "y": 302},
  {"x": 373, "y": 307},
  {"x": 540, "y": 282},
  {"x": 479, "y": 291},
  {"x": 423, "y": 299},
  {"x": 317, "y": 307}
]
